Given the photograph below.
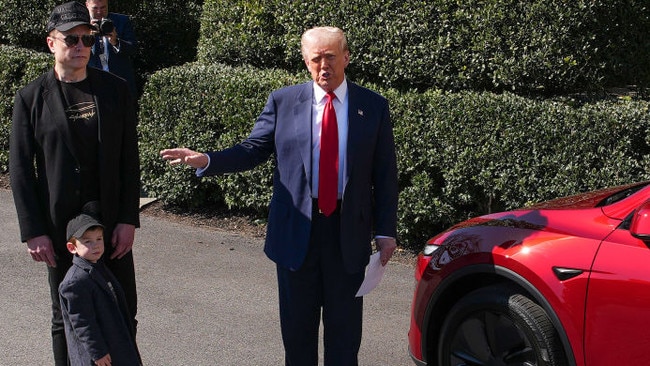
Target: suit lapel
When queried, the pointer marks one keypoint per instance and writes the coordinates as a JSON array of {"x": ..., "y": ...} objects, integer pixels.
[
  {"x": 355, "y": 127},
  {"x": 54, "y": 103},
  {"x": 303, "y": 124},
  {"x": 94, "y": 275},
  {"x": 97, "y": 92}
]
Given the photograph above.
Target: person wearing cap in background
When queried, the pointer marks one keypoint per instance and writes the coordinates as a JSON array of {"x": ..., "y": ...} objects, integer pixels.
[
  {"x": 97, "y": 326},
  {"x": 115, "y": 42},
  {"x": 74, "y": 140}
]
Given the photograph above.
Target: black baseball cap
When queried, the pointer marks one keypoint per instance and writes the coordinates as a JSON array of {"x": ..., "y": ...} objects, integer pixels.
[
  {"x": 67, "y": 16},
  {"x": 78, "y": 226}
]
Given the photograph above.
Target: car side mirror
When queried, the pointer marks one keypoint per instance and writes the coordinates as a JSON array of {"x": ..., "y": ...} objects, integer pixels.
[{"x": 640, "y": 225}]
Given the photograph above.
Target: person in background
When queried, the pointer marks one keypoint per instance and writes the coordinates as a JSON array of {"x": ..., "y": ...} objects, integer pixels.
[
  {"x": 334, "y": 187},
  {"x": 74, "y": 140},
  {"x": 116, "y": 43},
  {"x": 97, "y": 325}
]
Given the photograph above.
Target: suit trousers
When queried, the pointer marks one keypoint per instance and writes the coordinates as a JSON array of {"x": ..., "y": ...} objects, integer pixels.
[
  {"x": 321, "y": 283},
  {"x": 124, "y": 271}
]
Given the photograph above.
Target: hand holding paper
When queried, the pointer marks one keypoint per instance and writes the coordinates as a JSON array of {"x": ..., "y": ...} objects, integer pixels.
[
  {"x": 374, "y": 273},
  {"x": 386, "y": 246}
]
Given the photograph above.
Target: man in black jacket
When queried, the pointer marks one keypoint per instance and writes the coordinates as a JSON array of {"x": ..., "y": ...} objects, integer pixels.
[{"x": 74, "y": 140}]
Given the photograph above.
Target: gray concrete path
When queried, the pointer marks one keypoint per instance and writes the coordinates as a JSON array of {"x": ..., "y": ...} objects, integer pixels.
[{"x": 205, "y": 298}]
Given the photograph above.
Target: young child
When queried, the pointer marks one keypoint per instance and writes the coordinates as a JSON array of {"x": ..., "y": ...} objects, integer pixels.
[{"x": 97, "y": 326}]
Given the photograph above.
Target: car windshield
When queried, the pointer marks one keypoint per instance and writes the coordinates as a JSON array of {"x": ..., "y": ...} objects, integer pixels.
[
  {"x": 599, "y": 198},
  {"x": 621, "y": 195}
]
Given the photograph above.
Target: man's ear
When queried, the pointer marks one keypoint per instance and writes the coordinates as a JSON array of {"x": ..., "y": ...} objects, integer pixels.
[
  {"x": 50, "y": 43},
  {"x": 71, "y": 247}
]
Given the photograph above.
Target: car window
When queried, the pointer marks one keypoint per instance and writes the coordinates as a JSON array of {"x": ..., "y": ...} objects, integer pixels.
[{"x": 621, "y": 195}]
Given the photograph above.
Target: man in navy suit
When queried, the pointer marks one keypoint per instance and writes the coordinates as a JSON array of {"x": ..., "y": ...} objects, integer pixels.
[
  {"x": 116, "y": 43},
  {"x": 320, "y": 255}
]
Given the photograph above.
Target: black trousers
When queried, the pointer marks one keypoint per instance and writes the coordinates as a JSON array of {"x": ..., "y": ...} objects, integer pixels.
[
  {"x": 124, "y": 271},
  {"x": 321, "y": 284}
]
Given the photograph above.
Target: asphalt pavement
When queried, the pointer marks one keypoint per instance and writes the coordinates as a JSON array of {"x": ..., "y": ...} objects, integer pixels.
[{"x": 206, "y": 297}]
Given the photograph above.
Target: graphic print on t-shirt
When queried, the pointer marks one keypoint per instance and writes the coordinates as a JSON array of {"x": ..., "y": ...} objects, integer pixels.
[{"x": 80, "y": 112}]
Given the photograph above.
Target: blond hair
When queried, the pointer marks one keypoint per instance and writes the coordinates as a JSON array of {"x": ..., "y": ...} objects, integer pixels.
[{"x": 323, "y": 32}]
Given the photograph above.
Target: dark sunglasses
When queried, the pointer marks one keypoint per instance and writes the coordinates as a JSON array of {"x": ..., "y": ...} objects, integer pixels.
[{"x": 71, "y": 40}]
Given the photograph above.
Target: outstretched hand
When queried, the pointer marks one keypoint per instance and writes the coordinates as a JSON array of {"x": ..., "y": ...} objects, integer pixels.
[{"x": 185, "y": 156}]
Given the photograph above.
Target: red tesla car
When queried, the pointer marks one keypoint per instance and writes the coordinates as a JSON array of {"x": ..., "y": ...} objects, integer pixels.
[{"x": 565, "y": 282}]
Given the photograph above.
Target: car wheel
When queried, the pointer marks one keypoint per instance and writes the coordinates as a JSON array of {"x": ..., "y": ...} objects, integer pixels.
[{"x": 498, "y": 325}]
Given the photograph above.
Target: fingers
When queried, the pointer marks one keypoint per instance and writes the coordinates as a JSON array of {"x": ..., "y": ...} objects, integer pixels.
[
  {"x": 184, "y": 156},
  {"x": 104, "y": 361},
  {"x": 41, "y": 250},
  {"x": 175, "y": 155},
  {"x": 122, "y": 240},
  {"x": 48, "y": 258},
  {"x": 120, "y": 250},
  {"x": 175, "y": 161},
  {"x": 44, "y": 256},
  {"x": 386, "y": 248},
  {"x": 385, "y": 256}
]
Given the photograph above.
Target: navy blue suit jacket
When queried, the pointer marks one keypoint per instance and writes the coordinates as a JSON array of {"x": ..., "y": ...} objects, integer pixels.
[
  {"x": 369, "y": 201},
  {"x": 119, "y": 63},
  {"x": 95, "y": 316}
]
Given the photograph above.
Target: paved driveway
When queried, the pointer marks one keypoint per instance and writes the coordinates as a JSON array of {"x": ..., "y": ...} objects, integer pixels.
[{"x": 205, "y": 298}]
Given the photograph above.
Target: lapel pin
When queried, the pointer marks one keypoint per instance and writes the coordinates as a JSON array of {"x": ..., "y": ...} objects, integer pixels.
[{"x": 360, "y": 112}]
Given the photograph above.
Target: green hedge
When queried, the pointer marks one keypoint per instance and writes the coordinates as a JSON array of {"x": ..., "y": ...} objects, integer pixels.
[
  {"x": 205, "y": 107},
  {"x": 543, "y": 47},
  {"x": 167, "y": 30},
  {"x": 23, "y": 24},
  {"x": 18, "y": 67},
  {"x": 459, "y": 154},
  {"x": 478, "y": 153}
]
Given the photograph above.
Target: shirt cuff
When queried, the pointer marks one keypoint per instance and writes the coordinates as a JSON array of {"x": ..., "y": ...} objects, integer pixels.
[{"x": 200, "y": 171}]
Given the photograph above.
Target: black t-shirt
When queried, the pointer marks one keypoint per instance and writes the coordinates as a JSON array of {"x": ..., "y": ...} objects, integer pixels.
[{"x": 81, "y": 111}]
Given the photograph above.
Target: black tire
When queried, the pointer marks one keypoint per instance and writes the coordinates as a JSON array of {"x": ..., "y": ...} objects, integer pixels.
[{"x": 498, "y": 325}]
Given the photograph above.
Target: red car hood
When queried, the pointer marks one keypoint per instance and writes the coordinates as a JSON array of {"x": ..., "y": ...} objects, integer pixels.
[{"x": 583, "y": 215}]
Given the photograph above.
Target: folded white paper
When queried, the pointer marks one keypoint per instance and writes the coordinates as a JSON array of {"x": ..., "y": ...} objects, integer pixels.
[{"x": 374, "y": 273}]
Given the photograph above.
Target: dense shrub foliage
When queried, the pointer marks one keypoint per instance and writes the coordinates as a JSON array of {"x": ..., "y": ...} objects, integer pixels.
[
  {"x": 18, "y": 67},
  {"x": 167, "y": 30},
  {"x": 538, "y": 46},
  {"x": 466, "y": 154},
  {"x": 465, "y": 81},
  {"x": 205, "y": 107},
  {"x": 459, "y": 154}
]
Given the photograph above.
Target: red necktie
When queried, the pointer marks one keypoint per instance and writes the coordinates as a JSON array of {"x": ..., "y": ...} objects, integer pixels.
[{"x": 329, "y": 159}]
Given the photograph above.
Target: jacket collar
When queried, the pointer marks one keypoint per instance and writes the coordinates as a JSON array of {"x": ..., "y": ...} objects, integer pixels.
[
  {"x": 95, "y": 274},
  {"x": 53, "y": 97}
]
